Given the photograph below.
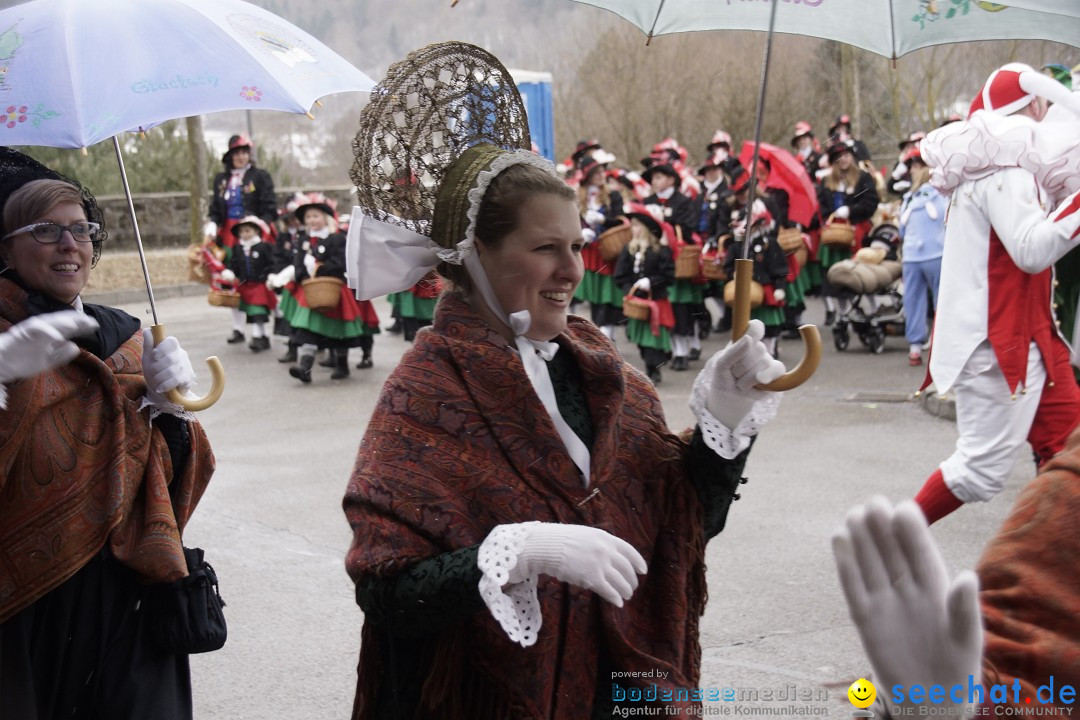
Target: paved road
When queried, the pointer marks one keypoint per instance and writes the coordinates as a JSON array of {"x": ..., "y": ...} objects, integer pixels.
[{"x": 272, "y": 524}]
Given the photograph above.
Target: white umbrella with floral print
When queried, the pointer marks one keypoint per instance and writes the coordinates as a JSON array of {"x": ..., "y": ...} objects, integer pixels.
[{"x": 76, "y": 72}]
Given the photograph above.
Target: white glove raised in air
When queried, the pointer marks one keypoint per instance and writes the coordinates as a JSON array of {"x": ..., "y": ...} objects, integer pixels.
[
  {"x": 843, "y": 212},
  {"x": 580, "y": 555},
  {"x": 916, "y": 626},
  {"x": 899, "y": 171},
  {"x": 732, "y": 373},
  {"x": 165, "y": 367},
  {"x": 42, "y": 343}
]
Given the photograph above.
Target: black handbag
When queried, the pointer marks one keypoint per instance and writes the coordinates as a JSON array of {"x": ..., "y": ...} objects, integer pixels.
[{"x": 185, "y": 616}]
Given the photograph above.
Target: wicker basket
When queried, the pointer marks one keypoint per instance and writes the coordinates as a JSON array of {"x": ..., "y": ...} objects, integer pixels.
[
  {"x": 789, "y": 239},
  {"x": 223, "y": 298},
  {"x": 323, "y": 293},
  {"x": 757, "y": 294},
  {"x": 712, "y": 267},
  {"x": 635, "y": 308},
  {"x": 688, "y": 264},
  {"x": 613, "y": 240},
  {"x": 838, "y": 232}
]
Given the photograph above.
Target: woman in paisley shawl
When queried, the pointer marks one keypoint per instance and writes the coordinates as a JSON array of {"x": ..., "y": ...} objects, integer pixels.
[
  {"x": 527, "y": 531},
  {"x": 99, "y": 473}
]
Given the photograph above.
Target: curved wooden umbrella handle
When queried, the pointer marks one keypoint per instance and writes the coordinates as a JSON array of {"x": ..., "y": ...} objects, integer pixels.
[
  {"x": 217, "y": 374},
  {"x": 744, "y": 271}
]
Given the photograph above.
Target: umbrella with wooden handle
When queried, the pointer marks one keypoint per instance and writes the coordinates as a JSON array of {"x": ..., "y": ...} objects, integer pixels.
[
  {"x": 217, "y": 372},
  {"x": 744, "y": 270}
]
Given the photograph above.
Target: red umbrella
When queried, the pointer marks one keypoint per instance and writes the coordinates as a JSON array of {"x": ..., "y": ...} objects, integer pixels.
[{"x": 789, "y": 174}]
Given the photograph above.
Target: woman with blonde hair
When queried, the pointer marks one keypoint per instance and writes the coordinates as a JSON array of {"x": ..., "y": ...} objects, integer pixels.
[
  {"x": 848, "y": 194},
  {"x": 600, "y": 208}
]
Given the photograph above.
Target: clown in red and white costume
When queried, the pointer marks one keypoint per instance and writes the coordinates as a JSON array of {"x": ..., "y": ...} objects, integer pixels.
[{"x": 995, "y": 342}]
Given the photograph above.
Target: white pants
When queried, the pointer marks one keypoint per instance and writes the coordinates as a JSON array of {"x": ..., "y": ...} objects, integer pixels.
[{"x": 992, "y": 425}]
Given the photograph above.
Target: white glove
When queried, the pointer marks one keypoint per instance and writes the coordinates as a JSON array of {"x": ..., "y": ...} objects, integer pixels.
[
  {"x": 281, "y": 279},
  {"x": 583, "y": 556},
  {"x": 209, "y": 230},
  {"x": 594, "y": 217},
  {"x": 734, "y": 371},
  {"x": 901, "y": 186},
  {"x": 588, "y": 235},
  {"x": 931, "y": 211},
  {"x": 228, "y": 276},
  {"x": 843, "y": 212},
  {"x": 899, "y": 171},
  {"x": 165, "y": 367},
  {"x": 643, "y": 284},
  {"x": 916, "y": 626},
  {"x": 41, "y": 343},
  {"x": 309, "y": 264},
  {"x": 779, "y": 295}
]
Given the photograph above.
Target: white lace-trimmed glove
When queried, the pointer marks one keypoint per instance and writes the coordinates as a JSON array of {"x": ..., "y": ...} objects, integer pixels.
[
  {"x": 40, "y": 343},
  {"x": 512, "y": 556},
  {"x": 309, "y": 264},
  {"x": 165, "y": 367},
  {"x": 228, "y": 276},
  {"x": 594, "y": 217},
  {"x": 644, "y": 284},
  {"x": 733, "y": 372},
  {"x": 916, "y": 626},
  {"x": 588, "y": 235},
  {"x": 843, "y": 212},
  {"x": 779, "y": 295}
]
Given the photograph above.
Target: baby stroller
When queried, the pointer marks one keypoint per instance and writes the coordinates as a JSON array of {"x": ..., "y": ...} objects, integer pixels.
[{"x": 871, "y": 283}]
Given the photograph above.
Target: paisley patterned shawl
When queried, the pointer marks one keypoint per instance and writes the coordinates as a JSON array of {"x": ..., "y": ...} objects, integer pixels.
[
  {"x": 459, "y": 443},
  {"x": 81, "y": 466},
  {"x": 1030, "y": 587}
]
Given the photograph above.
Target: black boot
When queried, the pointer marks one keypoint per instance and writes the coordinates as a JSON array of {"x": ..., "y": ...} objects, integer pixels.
[
  {"x": 328, "y": 361},
  {"x": 653, "y": 373},
  {"x": 396, "y": 327},
  {"x": 302, "y": 371},
  {"x": 365, "y": 362},
  {"x": 341, "y": 363},
  {"x": 236, "y": 337},
  {"x": 289, "y": 356},
  {"x": 259, "y": 344}
]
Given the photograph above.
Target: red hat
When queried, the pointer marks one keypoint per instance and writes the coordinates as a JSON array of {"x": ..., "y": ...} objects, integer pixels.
[
  {"x": 844, "y": 119},
  {"x": 583, "y": 147},
  {"x": 257, "y": 222},
  {"x": 719, "y": 138},
  {"x": 839, "y": 147},
  {"x": 802, "y": 128},
  {"x": 588, "y": 168},
  {"x": 1013, "y": 86},
  {"x": 650, "y": 215},
  {"x": 911, "y": 139},
  {"x": 913, "y": 152}
]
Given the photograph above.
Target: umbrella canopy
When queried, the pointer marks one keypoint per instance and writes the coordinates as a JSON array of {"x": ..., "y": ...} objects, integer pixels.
[
  {"x": 75, "y": 72},
  {"x": 887, "y": 27},
  {"x": 788, "y": 174}
]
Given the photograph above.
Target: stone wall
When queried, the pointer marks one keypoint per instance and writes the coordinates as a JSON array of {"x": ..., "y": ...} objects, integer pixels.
[{"x": 163, "y": 217}]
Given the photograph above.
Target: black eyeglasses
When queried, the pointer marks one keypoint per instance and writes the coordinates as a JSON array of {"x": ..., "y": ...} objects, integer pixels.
[{"x": 48, "y": 233}]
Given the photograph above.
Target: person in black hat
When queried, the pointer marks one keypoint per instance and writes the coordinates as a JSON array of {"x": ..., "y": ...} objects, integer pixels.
[
  {"x": 713, "y": 212},
  {"x": 847, "y": 194},
  {"x": 100, "y": 472},
  {"x": 899, "y": 181},
  {"x": 841, "y": 130},
  {"x": 241, "y": 189}
]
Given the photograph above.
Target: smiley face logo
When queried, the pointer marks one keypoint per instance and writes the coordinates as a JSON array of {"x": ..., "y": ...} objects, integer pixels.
[{"x": 862, "y": 693}]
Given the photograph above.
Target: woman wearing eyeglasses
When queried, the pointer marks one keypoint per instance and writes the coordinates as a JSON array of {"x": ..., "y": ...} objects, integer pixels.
[{"x": 99, "y": 472}]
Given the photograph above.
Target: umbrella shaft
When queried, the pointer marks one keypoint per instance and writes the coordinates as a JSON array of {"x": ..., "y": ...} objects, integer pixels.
[
  {"x": 748, "y": 217},
  {"x": 135, "y": 227}
]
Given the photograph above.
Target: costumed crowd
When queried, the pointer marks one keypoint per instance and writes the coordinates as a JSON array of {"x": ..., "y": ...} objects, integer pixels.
[{"x": 525, "y": 526}]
